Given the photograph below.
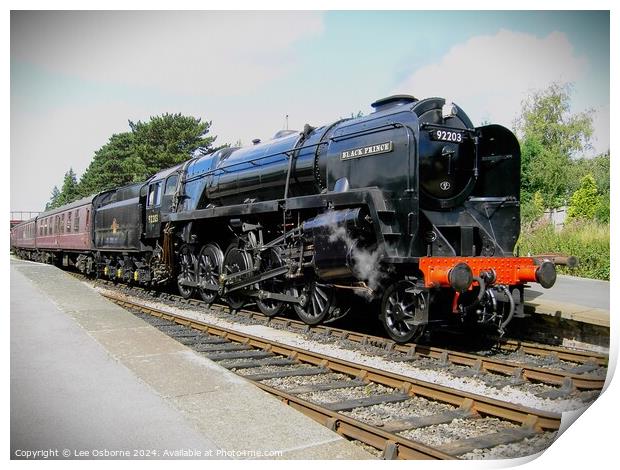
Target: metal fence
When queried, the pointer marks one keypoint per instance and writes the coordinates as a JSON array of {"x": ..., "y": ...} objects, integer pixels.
[{"x": 20, "y": 216}]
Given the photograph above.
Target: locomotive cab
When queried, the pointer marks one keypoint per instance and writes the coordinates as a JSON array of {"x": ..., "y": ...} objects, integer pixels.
[{"x": 157, "y": 197}]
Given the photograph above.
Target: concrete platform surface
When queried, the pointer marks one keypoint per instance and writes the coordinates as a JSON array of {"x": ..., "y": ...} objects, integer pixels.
[
  {"x": 90, "y": 380},
  {"x": 575, "y": 298}
]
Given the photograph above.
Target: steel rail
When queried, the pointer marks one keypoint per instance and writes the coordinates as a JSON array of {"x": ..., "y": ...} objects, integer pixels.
[
  {"x": 505, "y": 367},
  {"x": 506, "y": 345},
  {"x": 523, "y": 415},
  {"x": 532, "y": 373}
]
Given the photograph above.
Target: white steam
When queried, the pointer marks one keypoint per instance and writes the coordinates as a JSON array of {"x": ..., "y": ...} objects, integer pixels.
[{"x": 366, "y": 264}]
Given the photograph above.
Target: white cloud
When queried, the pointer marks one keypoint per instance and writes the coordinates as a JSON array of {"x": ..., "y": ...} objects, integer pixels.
[
  {"x": 182, "y": 52},
  {"x": 489, "y": 75}
]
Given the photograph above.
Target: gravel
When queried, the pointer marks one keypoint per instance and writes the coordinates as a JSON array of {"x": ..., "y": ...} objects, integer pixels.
[
  {"x": 370, "y": 449},
  {"x": 528, "y": 446},
  {"x": 458, "y": 429},
  {"x": 415, "y": 406},
  {"x": 288, "y": 383},
  {"x": 341, "y": 394},
  {"x": 269, "y": 369},
  {"x": 520, "y": 394}
]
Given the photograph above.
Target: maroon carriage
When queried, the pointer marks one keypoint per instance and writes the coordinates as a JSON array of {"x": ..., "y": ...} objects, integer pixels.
[
  {"x": 23, "y": 235},
  {"x": 65, "y": 230}
]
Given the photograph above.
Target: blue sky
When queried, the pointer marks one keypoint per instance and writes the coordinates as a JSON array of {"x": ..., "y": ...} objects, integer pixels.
[{"x": 76, "y": 78}]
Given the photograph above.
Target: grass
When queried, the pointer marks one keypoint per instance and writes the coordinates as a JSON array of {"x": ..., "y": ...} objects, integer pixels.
[{"x": 587, "y": 240}]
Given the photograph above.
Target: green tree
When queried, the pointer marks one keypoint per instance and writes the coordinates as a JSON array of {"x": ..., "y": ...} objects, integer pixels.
[
  {"x": 551, "y": 136},
  {"x": 69, "y": 191},
  {"x": 114, "y": 164},
  {"x": 533, "y": 209},
  {"x": 602, "y": 209},
  {"x": 168, "y": 140},
  {"x": 161, "y": 142},
  {"x": 598, "y": 167},
  {"x": 53, "y": 202},
  {"x": 584, "y": 202}
]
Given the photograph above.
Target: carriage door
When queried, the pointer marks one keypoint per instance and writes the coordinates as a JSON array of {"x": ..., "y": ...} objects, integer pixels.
[{"x": 153, "y": 209}]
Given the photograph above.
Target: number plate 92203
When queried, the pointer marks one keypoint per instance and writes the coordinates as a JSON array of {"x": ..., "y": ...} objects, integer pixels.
[{"x": 448, "y": 136}]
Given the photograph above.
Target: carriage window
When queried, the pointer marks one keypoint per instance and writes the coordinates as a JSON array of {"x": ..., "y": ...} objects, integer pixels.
[
  {"x": 171, "y": 184},
  {"x": 76, "y": 221},
  {"x": 62, "y": 223},
  {"x": 87, "y": 216},
  {"x": 68, "y": 222}
]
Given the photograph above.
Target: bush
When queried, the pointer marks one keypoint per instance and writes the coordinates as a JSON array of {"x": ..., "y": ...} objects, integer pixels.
[
  {"x": 588, "y": 241},
  {"x": 602, "y": 209},
  {"x": 584, "y": 201},
  {"x": 533, "y": 209}
]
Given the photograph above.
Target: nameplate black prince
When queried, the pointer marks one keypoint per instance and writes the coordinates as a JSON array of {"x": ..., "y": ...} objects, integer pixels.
[{"x": 367, "y": 151}]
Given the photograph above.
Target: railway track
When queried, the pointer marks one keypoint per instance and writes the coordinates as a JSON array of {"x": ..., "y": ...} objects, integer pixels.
[
  {"x": 568, "y": 370},
  {"x": 381, "y": 409}
]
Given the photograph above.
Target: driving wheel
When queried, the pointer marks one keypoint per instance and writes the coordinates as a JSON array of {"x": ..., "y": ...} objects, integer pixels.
[
  {"x": 210, "y": 261},
  {"x": 271, "y": 259},
  {"x": 187, "y": 271},
  {"x": 235, "y": 261}
]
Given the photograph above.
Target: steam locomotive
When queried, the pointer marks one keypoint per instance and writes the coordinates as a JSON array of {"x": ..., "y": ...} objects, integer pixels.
[{"x": 410, "y": 209}]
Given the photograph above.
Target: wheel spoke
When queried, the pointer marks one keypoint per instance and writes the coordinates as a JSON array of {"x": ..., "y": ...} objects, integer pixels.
[
  {"x": 315, "y": 309},
  {"x": 319, "y": 300}
]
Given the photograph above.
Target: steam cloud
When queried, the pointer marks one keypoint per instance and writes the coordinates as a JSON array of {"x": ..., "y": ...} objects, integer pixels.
[{"x": 366, "y": 263}]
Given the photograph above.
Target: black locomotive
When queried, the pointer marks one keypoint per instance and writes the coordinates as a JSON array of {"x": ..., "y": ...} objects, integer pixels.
[{"x": 410, "y": 208}]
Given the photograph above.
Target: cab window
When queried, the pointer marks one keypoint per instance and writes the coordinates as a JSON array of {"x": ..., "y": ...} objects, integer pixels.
[
  {"x": 154, "y": 198},
  {"x": 171, "y": 184}
]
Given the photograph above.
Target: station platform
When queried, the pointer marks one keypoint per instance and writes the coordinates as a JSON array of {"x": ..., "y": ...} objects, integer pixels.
[
  {"x": 90, "y": 380},
  {"x": 573, "y": 298}
]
